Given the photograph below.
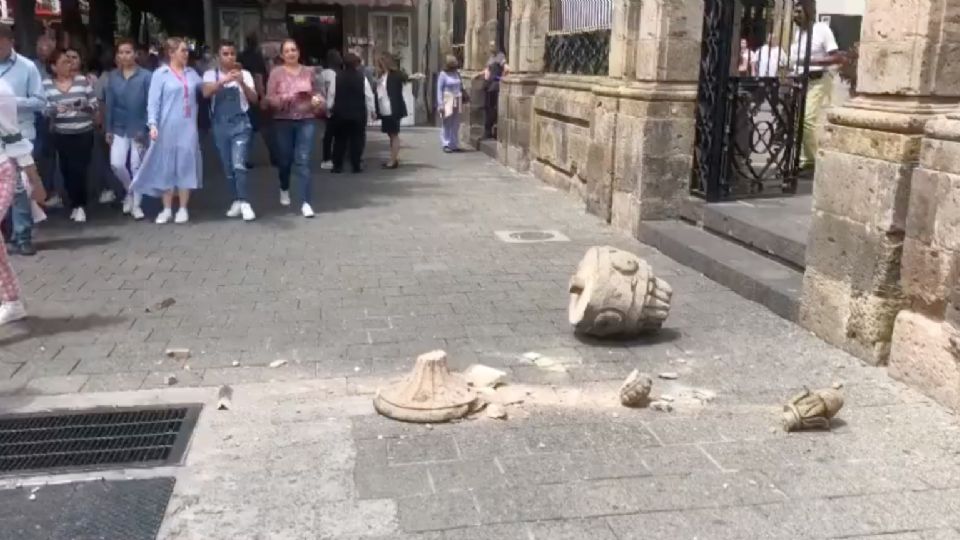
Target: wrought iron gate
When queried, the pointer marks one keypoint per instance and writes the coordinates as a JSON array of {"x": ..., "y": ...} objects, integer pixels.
[
  {"x": 503, "y": 26},
  {"x": 754, "y": 69}
]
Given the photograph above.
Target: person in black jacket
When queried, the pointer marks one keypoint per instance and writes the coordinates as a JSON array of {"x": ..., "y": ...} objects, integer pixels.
[
  {"x": 352, "y": 104},
  {"x": 391, "y": 108}
]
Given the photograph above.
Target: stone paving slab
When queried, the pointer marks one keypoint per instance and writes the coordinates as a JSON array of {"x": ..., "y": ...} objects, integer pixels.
[{"x": 399, "y": 263}]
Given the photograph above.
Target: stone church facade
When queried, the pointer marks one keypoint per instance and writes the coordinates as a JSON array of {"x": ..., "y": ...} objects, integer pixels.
[{"x": 881, "y": 278}]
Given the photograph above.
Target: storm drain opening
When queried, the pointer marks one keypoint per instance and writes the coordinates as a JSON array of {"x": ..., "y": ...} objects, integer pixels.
[
  {"x": 531, "y": 236},
  {"x": 92, "y": 439}
]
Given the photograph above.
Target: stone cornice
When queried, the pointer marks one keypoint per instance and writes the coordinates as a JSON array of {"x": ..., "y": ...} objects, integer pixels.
[
  {"x": 907, "y": 115},
  {"x": 609, "y": 87}
]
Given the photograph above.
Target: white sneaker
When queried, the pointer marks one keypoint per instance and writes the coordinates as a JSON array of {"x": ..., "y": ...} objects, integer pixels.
[
  {"x": 284, "y": 198},
  {"x": 107, "y": 197},
  {"x": 307, "y": 210},
  {"x": 54, "y": 201},
  {"x": 164, "y": 216},
  {"x": 128, "y": 204},
  {"x": 182, "y": 216},
  {"x": 326, "y": 165},
  {"x": 12, "y": 311},
  {"x": 80, "y": 216},
  {"x": 136, "y": 213},
  {"x": 73, "y": 214},
  {"x": 247, "y": 212},
  {"x": 234, "y": 210}
]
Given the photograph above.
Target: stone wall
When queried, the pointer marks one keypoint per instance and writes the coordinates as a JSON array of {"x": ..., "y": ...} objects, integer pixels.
[{"x": 926, "y": 335}]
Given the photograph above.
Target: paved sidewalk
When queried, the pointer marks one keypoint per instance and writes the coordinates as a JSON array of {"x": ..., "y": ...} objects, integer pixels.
[{"x": 399, "y": 263}]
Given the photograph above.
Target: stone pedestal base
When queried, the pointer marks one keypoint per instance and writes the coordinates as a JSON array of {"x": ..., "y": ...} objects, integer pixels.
[
  {"x": 429, "y": 394},
  {"x": 925, "y": 355}
]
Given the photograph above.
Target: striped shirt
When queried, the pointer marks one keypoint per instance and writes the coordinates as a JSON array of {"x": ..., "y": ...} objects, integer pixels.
[{"x": 72, "y": 111}]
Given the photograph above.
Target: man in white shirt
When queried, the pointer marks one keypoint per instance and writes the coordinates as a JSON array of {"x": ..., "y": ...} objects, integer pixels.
[
  {"x": 232, "y": 90},
  {"x": 824, "y": 53}
]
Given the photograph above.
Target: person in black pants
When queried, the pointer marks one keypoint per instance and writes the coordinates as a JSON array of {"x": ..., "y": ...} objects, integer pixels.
[
  {"x": 328, "y": 78},
  {"x": 391, "y": 108},
  {"x": 353, "y": 105}
]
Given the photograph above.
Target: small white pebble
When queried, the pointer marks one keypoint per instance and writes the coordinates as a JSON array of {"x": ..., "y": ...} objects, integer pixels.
[{"x": 235, "y": 363}]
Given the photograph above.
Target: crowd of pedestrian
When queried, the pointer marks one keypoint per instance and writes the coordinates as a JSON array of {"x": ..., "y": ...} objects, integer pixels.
[{"x": 129, "y": 126}]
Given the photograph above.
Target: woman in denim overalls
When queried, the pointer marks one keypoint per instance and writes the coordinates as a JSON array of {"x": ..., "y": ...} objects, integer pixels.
[{"x": 233, "y": 91}]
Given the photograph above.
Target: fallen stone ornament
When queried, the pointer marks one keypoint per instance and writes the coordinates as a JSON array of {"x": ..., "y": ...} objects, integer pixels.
[
  {"x": 811, "y": 410},
  {"x": 429, "y": 394},
  {"x": 615, "y": 293},
  {"x": 635, "y": 390}
]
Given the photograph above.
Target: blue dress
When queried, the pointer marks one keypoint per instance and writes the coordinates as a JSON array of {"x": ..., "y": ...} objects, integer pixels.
[{"x": 173, "y": 161}]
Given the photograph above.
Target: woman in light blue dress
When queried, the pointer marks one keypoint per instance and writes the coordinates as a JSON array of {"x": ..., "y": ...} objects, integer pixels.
[
  {"x": 451, "y": 102},
  {"x": 172, "y": 165}
]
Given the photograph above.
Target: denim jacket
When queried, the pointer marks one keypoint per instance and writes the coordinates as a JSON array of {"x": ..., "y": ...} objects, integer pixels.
[{"x": 126, "y": 110}]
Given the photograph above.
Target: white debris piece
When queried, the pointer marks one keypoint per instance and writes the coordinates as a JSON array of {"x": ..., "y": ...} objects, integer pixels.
[
  {"x": 496, "y": 411},
  {"x": 277, "y": 363},
  {"x": 669, "y": 375},
  {"x": 481, "y": 376},
  {"x": 178, "y": 353}
]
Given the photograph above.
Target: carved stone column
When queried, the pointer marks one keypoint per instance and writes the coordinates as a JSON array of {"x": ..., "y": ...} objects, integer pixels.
[
  {"x": 925, "y": 348},
  {"x": 623, "y": 39},
  {"x": 656, "y": 119},
  {"x": 868, "y": 151},
  {"x": 481, "y": 32}
]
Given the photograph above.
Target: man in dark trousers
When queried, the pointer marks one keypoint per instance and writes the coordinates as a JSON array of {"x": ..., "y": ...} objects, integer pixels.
[{"x": 352, "y": 103}]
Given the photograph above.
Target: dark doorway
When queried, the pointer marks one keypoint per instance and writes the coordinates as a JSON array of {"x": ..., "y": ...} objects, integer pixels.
[{"x": 316, "y": 31}]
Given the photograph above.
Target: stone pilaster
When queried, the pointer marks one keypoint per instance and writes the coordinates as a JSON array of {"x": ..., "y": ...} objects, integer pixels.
[
  {"x": 925, "y": 349},
  {"x": 868, "y": 152},
  {"x": 623, "y": 39},
  {"x": 529, "y": 21},
  {"x": 653, "y": 152}
]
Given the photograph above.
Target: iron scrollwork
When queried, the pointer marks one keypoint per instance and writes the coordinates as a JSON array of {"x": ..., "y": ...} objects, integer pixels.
[{"x": 581, "y": 53}]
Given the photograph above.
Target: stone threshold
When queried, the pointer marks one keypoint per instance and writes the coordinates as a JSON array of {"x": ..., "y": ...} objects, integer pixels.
[{"x": 755, "y": 277}]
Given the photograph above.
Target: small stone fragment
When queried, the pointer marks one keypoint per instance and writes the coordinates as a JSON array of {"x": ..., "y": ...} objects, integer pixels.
[
  {"x": 224, "y": 398},
  {"x": 32, "y": 496},
  {"x": 161, "y": 305},
  {"x": 235, "y": 363},
  {"x": 531, "y": 356},
  {"x": 278, "y": 363},
  {"x": 667, "y": 397},
  {"x": 837, "y": 385},
  {"x": 811, "y": 410},
  {"x": 481, "y": 376},
  {"x": 171, "y": 380},
  {"x": 662, "y": 406},
  {"x": 548, "y": 364},
  {"x": 635, "y": 389},
  {"x": 178, "y": 353},
  {"x": 496, "y": 411},
  {"x": 669, "y": 375}
]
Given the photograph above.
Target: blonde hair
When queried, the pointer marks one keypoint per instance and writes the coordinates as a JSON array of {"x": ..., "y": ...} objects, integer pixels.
[
  {"x": 173, "y": 44},
  {"x": 386, "y": 62}
]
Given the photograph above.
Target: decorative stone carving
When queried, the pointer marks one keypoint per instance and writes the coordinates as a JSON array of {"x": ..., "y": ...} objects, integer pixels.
[
  {"x": 614, "y": 293},
  {"x": 429, "y": 394},
  {"x": 635, "y": 389},
  {"x": 811, "y": 410}
]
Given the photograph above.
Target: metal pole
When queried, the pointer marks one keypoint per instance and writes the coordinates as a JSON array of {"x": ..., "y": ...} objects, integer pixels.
[{"x": 209, "y": 34}]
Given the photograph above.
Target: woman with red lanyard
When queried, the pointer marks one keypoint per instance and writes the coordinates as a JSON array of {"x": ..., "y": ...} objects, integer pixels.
[
  {"x": 15, "y": 157},
  {"x": 172, "y": 165},
  {"x": 295, "y": 101}
]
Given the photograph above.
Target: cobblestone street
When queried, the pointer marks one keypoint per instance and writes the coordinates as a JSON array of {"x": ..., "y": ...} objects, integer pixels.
[{"x": 398, "y": 263}]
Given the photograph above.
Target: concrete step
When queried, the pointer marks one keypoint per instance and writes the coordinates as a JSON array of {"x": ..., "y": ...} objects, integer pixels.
[
  {"x": 489, "y": 147},
  {"x": 776, "y": 227},
  {"x": 748, "y": 273}
]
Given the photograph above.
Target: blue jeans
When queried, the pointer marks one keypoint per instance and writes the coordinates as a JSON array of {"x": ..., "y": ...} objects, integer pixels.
[
  {"x": 233, "y": 146},
  {"x": 20, "y": 217},
  {"x": 294, "y": 144}
]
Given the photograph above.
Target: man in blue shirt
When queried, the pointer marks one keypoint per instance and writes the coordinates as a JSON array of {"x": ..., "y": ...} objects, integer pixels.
[{"x": 24, "y": 78}]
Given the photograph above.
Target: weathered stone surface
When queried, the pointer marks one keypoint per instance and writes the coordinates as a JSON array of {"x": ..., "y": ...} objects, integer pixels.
[
  {"x": 875, "y": 144},
  {"x": 927, "y": 274},
  {"x": 869, "y": 191},
  {"x": 923, "y": 356},
  {"x": 615, "y": 293},
  {"x": 812, "y": 410},
  {"x": 635, "y": 389},
  {"x": 429, "y": 394}
]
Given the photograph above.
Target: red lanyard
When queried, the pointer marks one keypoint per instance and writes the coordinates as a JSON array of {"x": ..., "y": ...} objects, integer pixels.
[{"x": 186, "y": 91}]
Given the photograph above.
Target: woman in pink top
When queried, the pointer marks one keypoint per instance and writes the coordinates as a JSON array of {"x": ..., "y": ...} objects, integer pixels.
[{"x": 294, "y": 100}]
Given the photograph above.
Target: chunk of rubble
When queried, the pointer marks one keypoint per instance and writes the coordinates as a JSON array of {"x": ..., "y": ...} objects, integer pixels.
[
  {"x": 635, "y": 390},
  {"x": 278, "y": 363},
  {"x": 177, "y": 353},
  {"x": 428, "y": 394},
  {"x": 615, "y": 293},
  {"x": 481, "y": 376},
  {"x": 496, "y": 411},
  {"x": 812, "y": 410}
]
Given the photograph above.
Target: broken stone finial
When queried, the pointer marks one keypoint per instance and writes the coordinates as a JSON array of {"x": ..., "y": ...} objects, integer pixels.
[
  {"x": 811, "y": 410},
  {"x": 429, "y": 394},
  {"x": 635, "y": 389},
  {"x": 614, "y": 293}
]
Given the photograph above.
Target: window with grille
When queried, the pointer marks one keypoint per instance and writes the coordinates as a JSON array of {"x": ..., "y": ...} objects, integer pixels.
[{"x": 578, "y": 40}]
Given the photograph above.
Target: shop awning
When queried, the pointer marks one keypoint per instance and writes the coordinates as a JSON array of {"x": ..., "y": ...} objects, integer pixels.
[{"x": 363, "y": 3}]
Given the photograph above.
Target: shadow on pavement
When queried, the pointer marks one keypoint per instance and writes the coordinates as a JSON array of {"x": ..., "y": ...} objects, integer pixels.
[{"x": 41, "y": 327}]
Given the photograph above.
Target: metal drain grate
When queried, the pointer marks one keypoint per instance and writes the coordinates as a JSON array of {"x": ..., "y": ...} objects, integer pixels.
[
  {"x": 96, "y": 439},
  {"x": 530, "y": 237}
]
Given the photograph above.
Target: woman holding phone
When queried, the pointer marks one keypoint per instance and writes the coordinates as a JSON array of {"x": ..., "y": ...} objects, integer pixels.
[
  {"x": 71, "y": 105},
  {"x": 295, "y": 102}
]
